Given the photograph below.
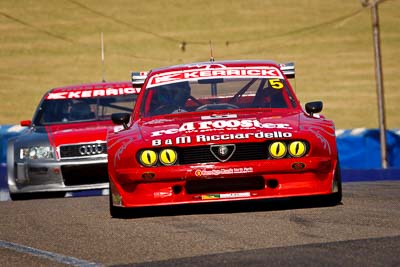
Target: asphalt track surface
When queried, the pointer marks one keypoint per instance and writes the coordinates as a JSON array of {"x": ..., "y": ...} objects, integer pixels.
[{"x": 363, "y": 231}]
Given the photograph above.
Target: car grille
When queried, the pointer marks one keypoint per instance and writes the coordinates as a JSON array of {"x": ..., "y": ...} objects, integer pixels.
[
  {"x": 83, "y": 150},
  {"x": 84, "y": 174},
  {"x": 244, "y": 151}
]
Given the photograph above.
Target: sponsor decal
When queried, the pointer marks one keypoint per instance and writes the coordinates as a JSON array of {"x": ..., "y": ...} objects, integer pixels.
[
  {"x": 216, "y": 125},
  {"x": 218, "y": 117},
  {"x": 220, "y": 72},
  {"x": 163, "y": 193},
  {"x": 202, "y": 138},
  {"x": 216, "y": 172},
  {"x": 93, "y": 93},
  {"x": 226, "y": 195}
]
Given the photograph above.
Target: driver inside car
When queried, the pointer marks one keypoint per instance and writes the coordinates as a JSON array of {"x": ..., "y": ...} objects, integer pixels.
[{"x": 170, "y": 98}]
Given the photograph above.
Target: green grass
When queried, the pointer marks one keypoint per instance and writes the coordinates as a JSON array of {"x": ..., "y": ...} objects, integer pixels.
[{"x": 44, "y": 44}]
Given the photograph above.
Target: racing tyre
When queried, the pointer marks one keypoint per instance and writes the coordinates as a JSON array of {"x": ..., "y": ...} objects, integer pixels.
[{"x": 335, "y": 198}]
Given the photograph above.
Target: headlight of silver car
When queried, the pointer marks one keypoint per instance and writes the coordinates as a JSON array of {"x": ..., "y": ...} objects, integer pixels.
[{"x": 36, "y": 152}]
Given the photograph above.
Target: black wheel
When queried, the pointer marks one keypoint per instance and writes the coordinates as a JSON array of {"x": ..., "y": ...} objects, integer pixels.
[{"x": 335, "y": 198}]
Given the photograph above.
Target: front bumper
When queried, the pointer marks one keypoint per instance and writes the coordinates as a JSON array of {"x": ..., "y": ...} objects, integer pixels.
[
  {"x": 56, "y": 176},
  {"x": 223, "y": 182}
]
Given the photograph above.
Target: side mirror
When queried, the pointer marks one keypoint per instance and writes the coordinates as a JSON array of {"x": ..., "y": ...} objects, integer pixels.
[
  {"x": 314, "y": 107},
  {"x": 26, "y": 123},
  {"x": 121, "y": 119}
]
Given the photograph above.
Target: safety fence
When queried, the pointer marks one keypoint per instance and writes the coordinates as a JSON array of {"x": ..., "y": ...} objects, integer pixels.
[
  {"x": 359, "y": 156},
  {"x": 360, "y": 148}
]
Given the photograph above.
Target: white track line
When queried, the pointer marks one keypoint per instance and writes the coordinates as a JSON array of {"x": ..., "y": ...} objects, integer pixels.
[{"x": 47, "y": 255}]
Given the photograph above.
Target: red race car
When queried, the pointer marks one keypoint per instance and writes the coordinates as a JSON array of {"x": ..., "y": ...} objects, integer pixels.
[{"x": 221, "y": 131}]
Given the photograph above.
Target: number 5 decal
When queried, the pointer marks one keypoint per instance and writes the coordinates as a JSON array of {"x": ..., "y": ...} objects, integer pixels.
[{"x": 276, "y": 83}]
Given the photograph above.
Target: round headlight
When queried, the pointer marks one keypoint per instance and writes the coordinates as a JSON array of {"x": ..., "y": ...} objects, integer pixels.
[
  {"x": 297, "y": 149},
  {"x": 277, "y": 150},
  {"x": 168, "y": 157},
  {"x": 33, "y": 153},
  {"x": 44, "y": 152},
  {"x": 148, "y": 158}
]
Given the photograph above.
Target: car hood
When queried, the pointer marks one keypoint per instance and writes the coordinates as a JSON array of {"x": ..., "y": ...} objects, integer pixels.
[
  {"x": 74, "y": 133},
  {"x": 209, "y": 127}
]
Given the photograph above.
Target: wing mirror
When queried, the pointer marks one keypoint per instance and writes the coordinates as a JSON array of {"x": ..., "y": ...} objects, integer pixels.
[
  {"x": 121, "y": 119},
  {"x": 314, "y": 107},
  {"x": 25, "y": 123}
]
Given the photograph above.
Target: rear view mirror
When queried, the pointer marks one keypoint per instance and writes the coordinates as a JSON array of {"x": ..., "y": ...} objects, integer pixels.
[
  {"x": 314, "y": 107},
  {"x": 121, "y": 119},
  {"x": 26, "y": 123}
]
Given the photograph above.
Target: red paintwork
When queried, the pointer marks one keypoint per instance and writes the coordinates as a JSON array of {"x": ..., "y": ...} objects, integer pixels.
[
  {"x": 126, "y": 174},
  {"x": 82, "y": 132},
  {"x": 26, "y": 123}
]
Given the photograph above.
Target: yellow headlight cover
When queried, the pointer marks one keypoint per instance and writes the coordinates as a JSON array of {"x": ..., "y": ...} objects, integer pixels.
[
  {"x": 168, "y": 157},
  {"x": 148, "y": 158},
  {"x": 297, "y": 149},
  {"x": 277, "y": 150}
]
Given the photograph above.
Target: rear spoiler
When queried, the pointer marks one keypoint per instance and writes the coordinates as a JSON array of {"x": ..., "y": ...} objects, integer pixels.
[
  {"x": 288, "y": 69},
  {"x": 138, "y": 78}
]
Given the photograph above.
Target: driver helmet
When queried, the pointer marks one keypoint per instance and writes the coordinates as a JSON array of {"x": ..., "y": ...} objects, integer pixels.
[{"x": 174, "y": 94}]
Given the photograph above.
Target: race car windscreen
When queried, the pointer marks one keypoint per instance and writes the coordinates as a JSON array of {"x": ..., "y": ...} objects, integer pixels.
[
  {"x": 217, "y": 94},
  {"x": 54, "y": 111}
]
